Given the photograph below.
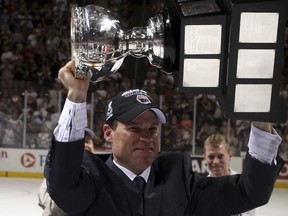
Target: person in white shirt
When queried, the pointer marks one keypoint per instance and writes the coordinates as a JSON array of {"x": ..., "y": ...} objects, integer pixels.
[{"x": 217, "y": 156}]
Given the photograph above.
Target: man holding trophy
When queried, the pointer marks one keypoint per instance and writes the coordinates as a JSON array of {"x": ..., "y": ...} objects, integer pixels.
[{"x": 82, "y": 184}]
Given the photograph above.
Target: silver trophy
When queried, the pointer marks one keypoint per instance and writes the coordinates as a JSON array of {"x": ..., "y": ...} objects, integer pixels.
[{"x": 99, "y": 45}]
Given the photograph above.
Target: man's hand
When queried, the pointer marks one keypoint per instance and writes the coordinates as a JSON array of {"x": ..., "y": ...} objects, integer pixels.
[
  {"x": 265, "y": 126},
  {"x": 77, "y": 88}
]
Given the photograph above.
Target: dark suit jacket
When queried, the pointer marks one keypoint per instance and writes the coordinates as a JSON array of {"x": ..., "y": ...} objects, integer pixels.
[{"x": 86, "y": 185}]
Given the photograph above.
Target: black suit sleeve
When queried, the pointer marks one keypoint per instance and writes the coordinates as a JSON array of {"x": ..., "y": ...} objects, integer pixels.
[
  {"x": 237, "y": 193},
  {"x": 63, "y": 172}
]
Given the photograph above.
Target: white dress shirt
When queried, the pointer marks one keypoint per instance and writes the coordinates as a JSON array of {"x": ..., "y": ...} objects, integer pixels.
[{"x": 73, "y": 120}]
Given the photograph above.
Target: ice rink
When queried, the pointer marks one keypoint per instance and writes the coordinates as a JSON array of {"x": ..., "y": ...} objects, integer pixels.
[{"x": 18, "y": 197}]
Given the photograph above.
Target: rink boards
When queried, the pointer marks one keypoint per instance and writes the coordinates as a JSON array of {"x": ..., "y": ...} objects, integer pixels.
[{"x": 30, "y": 163}]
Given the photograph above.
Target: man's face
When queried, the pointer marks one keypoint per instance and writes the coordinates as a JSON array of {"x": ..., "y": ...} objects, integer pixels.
[
  {"x": 135, "y": 144},
  {"x": 217, "y": 160}
]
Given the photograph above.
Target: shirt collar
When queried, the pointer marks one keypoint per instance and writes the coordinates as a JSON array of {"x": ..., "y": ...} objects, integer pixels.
[
  {"x": 131, "y": 175},
  {"x": 232, "y": 172}
]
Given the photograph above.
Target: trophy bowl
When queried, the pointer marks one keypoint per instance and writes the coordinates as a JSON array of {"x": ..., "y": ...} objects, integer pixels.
[{"x": 99, "y": 45}]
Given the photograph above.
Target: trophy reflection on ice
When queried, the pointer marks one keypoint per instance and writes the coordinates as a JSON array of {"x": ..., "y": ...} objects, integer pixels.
[{"x": 99, "y": 45}]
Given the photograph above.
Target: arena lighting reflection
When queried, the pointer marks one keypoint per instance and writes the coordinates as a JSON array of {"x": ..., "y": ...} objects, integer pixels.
[
  {"x": 234, "y": 49},
  {"x": 107, "y": 24}
]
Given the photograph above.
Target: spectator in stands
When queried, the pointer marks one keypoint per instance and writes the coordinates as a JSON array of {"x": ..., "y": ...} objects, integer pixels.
[
  {"x": 217, "y": 156},
  {"x": 30, "y": 31},
  {"x": 185, "y": 133},
  {"x": 167, "y": 144},
  {"x": 19, "y": 79},
  {"x": 283, "y": 149},
  {"x": 150, "y": 79},
  {"x": 4, "y": 17},
  {"x": 43, "y": 136},
  {"x": 9, "y": 136},
  {"x": 13, "y": 127},
  {"x": 7, "y": 70},
  {"x": 125, "y": 84},
  {"x": 243, "y": 128}
]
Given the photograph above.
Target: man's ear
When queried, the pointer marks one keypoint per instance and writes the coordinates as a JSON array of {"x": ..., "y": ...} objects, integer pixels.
[{"x": 108, "y": 135}]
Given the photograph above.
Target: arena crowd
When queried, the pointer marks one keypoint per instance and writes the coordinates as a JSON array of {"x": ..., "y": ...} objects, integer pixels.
[{"x": 35, "y": 43}]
